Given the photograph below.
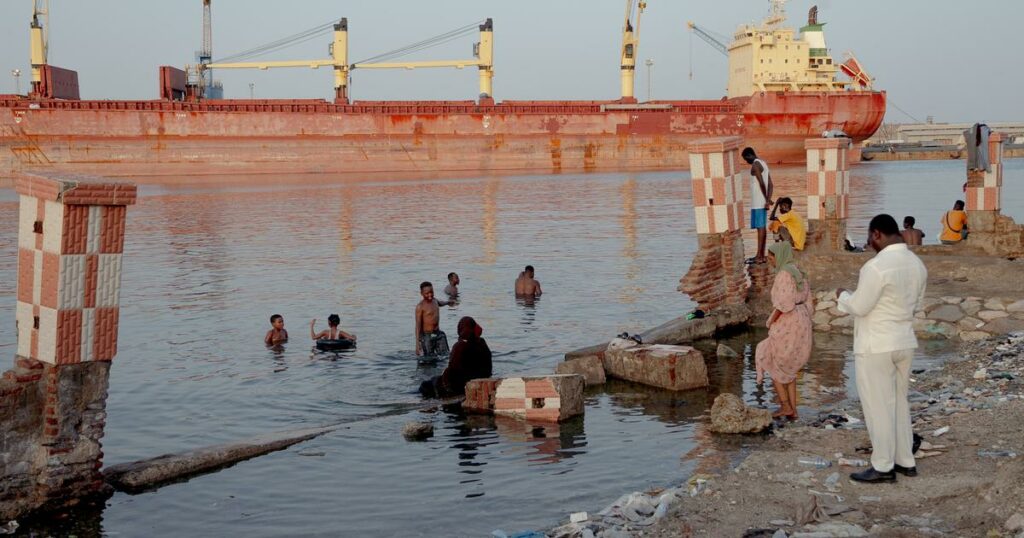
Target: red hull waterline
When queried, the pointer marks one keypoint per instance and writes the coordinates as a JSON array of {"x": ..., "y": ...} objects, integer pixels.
[{"x": 223, "y": 137}]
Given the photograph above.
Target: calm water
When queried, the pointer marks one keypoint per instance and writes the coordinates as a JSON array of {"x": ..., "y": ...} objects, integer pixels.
[{"x": 205, "y": 266}]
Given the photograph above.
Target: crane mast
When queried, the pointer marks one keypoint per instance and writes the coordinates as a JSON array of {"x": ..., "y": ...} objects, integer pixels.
[
  {"x": 39, "y": 40},
  {"x": 630, "y": 44}
]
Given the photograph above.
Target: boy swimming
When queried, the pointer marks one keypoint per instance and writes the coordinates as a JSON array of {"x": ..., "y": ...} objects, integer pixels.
[
  {"x": 277, "y": 333},
  {"x": 333, "y": 332}
]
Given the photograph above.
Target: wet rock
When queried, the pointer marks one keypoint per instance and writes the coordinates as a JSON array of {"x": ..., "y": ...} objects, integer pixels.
[
  {"x": 668, "y": 367},
  {"x": 948, "y": 312},
  {"x": 417, "y": 431},
  {"x": 989, "y": 315},
  {"x": 934, "y": 330},
  {"x": 590, "y": 367},
  {"x": 730, "y": 415},
  {"x": 973, "y": 336},
  {"x": 726, "y": 352}
]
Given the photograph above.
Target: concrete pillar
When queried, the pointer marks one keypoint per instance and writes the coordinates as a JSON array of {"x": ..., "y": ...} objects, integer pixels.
[
  {"x": 549, "y": 398},
  {"x": 984, "y": 188},
  {"x": 717, "y": 276},
  {"x": 828, "y": 191},
  {"x": 70, "y": 241}
]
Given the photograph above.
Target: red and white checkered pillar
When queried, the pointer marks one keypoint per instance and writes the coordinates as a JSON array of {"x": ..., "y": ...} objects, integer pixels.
[
  {"x": 828, "y": 190},
  {"x": 984, "y": 188},
  {"x": 717, "y": 275},
  {"x": 70, "y": 240}
]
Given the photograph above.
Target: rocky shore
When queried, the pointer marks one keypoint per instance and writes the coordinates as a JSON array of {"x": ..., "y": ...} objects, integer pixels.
[{"x": 970, "y": 413}]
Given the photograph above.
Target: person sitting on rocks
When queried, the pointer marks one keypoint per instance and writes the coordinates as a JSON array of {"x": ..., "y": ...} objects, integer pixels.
[
  {"x": 954, "y": 224},
  {"x": 470, "y": 358},
  {"x": 788, "y": 346},
  {"x": 788, "y": 226},
  {"x": 912, "y": 236}
]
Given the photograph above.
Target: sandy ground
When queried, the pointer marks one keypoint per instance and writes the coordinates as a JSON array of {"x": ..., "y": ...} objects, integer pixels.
[{"x": 957, "y": 492}]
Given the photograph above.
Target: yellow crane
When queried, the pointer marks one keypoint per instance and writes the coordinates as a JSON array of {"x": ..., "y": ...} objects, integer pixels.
[
  {"x": 630, "y": 44},
  {"x": 483, "y": 60},
  {"x": 39, "y": 40}
]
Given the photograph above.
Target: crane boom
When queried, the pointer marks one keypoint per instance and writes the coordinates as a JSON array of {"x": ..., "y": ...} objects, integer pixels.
[{"x": 709, "y": 39}]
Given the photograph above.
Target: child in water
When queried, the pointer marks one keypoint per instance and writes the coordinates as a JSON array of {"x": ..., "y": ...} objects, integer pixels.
[
  {"x": 277, "y": 334},
  {"x": 333, "y": 332}
]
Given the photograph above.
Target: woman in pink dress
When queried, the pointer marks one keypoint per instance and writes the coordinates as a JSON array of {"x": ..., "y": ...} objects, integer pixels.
[{"x": 788, "y": 346}]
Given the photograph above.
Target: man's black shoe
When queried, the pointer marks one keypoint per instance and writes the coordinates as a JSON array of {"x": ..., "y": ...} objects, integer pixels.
[
  {"x": 870, "y": 475},
  {"x": 905, "y": 471}
]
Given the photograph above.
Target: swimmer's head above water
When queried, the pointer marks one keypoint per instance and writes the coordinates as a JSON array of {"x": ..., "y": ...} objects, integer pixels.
[
  {"x": 427, "y": 291},
  {"x": 528, "y": 271},
  {"x": 277, "y": 321},
  {"x": 453, "y": 279},
  {"x": 333, "y": 320}
]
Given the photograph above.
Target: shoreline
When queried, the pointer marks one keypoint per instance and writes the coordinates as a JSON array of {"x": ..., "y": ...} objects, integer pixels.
[{"x": 978, "y": 395}]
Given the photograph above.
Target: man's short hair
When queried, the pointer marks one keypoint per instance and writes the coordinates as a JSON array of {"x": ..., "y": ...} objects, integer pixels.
[
  {"x": 909, "y": 221},
  {"x": 424, "y": 285},
  {"x": 276, "y": 317},
  {"x": 529, "y": 269},
  {"x": 786, "y": 201},
  {"x": 748, "y": 152},
  {"x": 959, "y": 204},
  {"x": 333, "y": 320},
  {"x": 884, "y": 224},
  {"x": 450, "y": 275}
]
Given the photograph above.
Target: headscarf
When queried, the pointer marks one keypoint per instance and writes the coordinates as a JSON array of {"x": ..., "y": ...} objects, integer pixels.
[
  {"x": 784, "y": 261},
  {"x": 469, "y": 330},
  {"x": 470, "y": 359}
]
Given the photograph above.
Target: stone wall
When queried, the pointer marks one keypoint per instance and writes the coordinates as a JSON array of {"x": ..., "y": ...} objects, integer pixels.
[
  {"x": 964, "y": 318},
  {"x": 716, "y": 277},
  {"x": 828, "y": 192},
  {"x": 53, "y": 402}
]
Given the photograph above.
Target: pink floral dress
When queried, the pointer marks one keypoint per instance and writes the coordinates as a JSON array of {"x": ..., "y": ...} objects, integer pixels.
[{"x": 788, "y": 346}]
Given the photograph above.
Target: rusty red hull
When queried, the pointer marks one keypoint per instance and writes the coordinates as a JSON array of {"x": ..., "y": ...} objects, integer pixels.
[{"x": 165, "y": 138}]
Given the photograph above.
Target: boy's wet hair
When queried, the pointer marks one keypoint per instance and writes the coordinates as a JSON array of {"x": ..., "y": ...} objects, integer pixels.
[
  {"x": 276, "y": 317},
  {"x": 786, "y": 201},
  {"x": 424, "y": 285},
  {"x": 450, "y": 275},
  {"x": 529, "y": 269},
  {"x": 909, "y": 221},
  {"x": 333, "y": 320}
]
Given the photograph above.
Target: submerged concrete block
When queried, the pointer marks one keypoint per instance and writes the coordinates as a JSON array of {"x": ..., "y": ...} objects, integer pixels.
[
  {"x": 590, "y": 367},
  {"x": 730, "y": 415},
  {"x": 551, "y": 398},
  {"x": 668, "y": 367}
]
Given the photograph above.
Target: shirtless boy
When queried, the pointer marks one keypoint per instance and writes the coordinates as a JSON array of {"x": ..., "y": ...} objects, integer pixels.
[
  {"x": 452, "y": 289},
  {"x": 911, "y": 235},
  {"x": 277, "y": 333},
  {"x": 430, "y": 340},
  {"x": 527, "y": 285},
  {"x": 333, "y": 332}
]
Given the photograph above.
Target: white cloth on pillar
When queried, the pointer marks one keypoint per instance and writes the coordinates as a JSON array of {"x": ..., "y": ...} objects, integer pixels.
[
  {"x": 976, "y": 140},
  {"x": 882, "y": 383}
]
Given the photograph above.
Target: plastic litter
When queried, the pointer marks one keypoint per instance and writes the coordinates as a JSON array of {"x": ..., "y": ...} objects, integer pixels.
[
  {"x": 853, "y": 462},
  {"x": 997, "y": 453},
  {"x": 817, "y": 462},
  {"x": 10, "y": 528},
  {"x": 870, "y": 499},
  {"x": 940, "y": 431},
  {"x": 832, "y": 481},
  {"x": 578, "y": 517}
]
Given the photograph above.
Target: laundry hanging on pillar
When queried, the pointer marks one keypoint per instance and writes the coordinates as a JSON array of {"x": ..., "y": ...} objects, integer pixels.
[{"x": 976, "y": 139}]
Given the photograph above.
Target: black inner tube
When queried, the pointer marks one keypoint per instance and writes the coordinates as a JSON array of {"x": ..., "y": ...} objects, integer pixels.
[{"x": 339, "y": 344}]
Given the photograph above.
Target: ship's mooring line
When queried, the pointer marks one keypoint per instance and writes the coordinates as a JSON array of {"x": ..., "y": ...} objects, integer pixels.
[{"x": 897, "y": 107}]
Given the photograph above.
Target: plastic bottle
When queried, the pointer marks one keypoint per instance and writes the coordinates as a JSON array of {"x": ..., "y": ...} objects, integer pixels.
[
  {"x": 853, "y": 462},
  {"x": 817, "y": 462},
  {"x": 997, "y": 453}
]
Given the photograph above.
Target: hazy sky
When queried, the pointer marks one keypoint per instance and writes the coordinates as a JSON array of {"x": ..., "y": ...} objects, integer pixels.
[{"x": 956, "y": 61}]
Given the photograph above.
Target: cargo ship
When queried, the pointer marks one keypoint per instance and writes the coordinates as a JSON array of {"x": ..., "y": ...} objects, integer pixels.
[{"x": 784, "y": 87}]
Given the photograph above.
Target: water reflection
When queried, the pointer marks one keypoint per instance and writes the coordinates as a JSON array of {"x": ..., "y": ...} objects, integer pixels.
[{"x": 490, "y": 221}]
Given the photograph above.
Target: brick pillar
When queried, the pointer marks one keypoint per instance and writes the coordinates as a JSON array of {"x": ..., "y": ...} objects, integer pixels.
[
  {"x": 828, "y": 191},
  {"x": 70, "y": 240},
  {"x": 984, "y": 188},
  {"x": 716, "y": 276}
]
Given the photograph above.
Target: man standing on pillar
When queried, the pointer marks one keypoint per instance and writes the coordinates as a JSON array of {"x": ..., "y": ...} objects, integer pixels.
[
  {"x": 760, "y": 200},
  {"x": 890, "y": 288}
]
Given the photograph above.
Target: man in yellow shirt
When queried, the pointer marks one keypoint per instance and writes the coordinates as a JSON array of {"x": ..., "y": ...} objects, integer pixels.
[
  {"x": 788, "y": 226},
  {"x": 954, "y": 225}
]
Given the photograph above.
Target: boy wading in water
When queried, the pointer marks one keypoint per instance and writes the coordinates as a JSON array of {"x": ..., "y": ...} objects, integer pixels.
[
  {"x": 277, "y": 333},
  {"x": 760, "y": 200},
  {"x": 430, "y": 340}
]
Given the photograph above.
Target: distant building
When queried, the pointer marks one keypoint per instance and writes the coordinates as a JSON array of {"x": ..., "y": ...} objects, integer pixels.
[{"x": 948, "y": 134}]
